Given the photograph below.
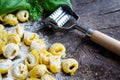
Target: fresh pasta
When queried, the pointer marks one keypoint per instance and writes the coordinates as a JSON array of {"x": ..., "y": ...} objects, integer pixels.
[
  {"x": 47, "y": 77},
  {"x": 58, "y": 49},
  {"x": 69, "y": 66},
  {"x": 22, "y": 15},
  {"x": 38, "y": 71},
  {"x": 37, "y": 44},
  {"x": 45, "y": 56},
  {"x": 10, "y": 19},
  {"x": 55, "y": 64},
  {"x": 32, "y": 59},
  {"x": 11, "y": 50},
  {"x": 14, "y": 38},
  {"x": 5, "y": 65},
  {"x": 29, "y": 37},
  {"x": 20, "y": 71},
  {"x": 19, "y": 30},
  {"x": 2, "y": 44}
]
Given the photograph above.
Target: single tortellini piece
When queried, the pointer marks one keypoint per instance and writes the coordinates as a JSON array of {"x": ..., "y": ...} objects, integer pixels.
[
  {"x": 22, "y": 15},
  {"x": 47, "y": 77},
  {"x": 1, "y": 27},
  {"x": 29, "y": 37},
  {"x": 5, "y": 65},
  {"x": 45, "y": 56},
  {"x": 37, "y": 44},
  {"x": 10, "y": 19},
  {"x": 33, "y": 79},
  {"x": 11, "y": 50},
  {"x": 2, "y": 17},
  {"x": 58, "y": 49},
  {"x": 55, "y": 64},
  {"x": 38, "y": 71},
  {"x": 19, "y": 30},
  {"x": 20, "y": 71},
  {"x": 69, "y": 66},
  {"x": 3, "y": 35},
  {"x": 14, "y": 38},
  {"x": 32, "y": 59},
  {"x": 2, "y": 44}
]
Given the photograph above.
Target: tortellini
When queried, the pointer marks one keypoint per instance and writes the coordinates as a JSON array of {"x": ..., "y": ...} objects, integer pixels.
[
  {"x": 2, "y": 44},
  {"x": 2, "y": 17},
  {"x": 58, "y": 49},
  {"x": 38, "y": 71},
  {"x": 1, "y": 27},
  {"x": 10, "y": 19},
  {"x": 19, "y": 30},
  {"x": 47, "y": 77},
  {"x": 11, "y": 50},
  {"x": 20, "y": 71},
  {"x": 22, "y": 15},
  {"x": 29, "y": 37},
  {"x": 14, "y": 38},
  {"x": 38, "y": 44},
  {"x": 69, "y": 66},
  {"x": 45, "y": 57},
  {"x": 33, "y": 79},
  {"x": 5, "y": 65},
  {"x": 32, "y": 59},
  {"x": 55, "y": 64},
  {"x": 3, "y": 35}
]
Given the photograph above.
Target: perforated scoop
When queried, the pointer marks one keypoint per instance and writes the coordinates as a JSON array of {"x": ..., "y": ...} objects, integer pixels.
[{"x": 63, "y": 14}]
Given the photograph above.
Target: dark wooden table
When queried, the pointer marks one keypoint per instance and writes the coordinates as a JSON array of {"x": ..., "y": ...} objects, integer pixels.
[{"x": 95, "y": 62}]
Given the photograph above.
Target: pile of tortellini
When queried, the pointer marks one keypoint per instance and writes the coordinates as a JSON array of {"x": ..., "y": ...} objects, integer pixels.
[
  {"x": 13, "y": 19},
  {"x": 39, "y": 63}
]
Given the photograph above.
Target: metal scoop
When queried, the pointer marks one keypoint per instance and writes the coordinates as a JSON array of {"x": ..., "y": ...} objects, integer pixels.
[{"x": 63, "y": 14}]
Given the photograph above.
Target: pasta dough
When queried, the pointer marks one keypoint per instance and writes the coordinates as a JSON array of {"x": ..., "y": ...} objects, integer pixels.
[
  {"x": 29, "y": 37},
  {"x": 2, "y": 44},
  {"x": 22, "y": 15},
  {"x": 69, "y": 66},
  {"x": 33, "y": 79},
  {"x": 11, "y": 50},
  {"x": 58, "y": 49},
  {"x": 38, "y": 71},
  {"x": 20, "y": 71},
  {"x": 32, "y": 59},
  {"x": 10, "y": 19},
  {"x": 5, "y": 65}
]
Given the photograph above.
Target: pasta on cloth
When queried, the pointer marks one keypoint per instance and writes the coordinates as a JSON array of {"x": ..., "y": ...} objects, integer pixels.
[{"x": 27, "y": 57}]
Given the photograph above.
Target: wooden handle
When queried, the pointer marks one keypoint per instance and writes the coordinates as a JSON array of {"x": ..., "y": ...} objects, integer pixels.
[{"x": 106, "y": 41}]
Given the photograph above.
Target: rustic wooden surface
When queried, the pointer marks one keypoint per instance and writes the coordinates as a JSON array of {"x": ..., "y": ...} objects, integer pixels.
[{"x": 95, "y": 62}]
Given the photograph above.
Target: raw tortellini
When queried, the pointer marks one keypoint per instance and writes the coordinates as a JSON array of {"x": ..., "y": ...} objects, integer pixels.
[
  {"x": 29, "y": 37},
  {"x": 5, "y": 65},
  {"x": 11, "y": 50},
  {"x": 2, "y": 44},
  {"x": 32, "y": 59},
  {"x": 47, "y": 77},
  {"x": 69, "y": 66},
  {"x": 33, "y": 79},
  {"x": 20, "y": 71},
  {"x": 37, "y": 44},
  {"x": 22, "y": 15},
  {"x": 38, "y": 71},
  {"x": 55, "y": 64},
  {"x": 45, "y": 56},
  {"x": 1, "y": 27},
  {"x": 14, "y": 38},
  {"x": 10, "y": 19},
  {"x": 19, "y": 30},
  {"x": 58, "y": 49}
]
